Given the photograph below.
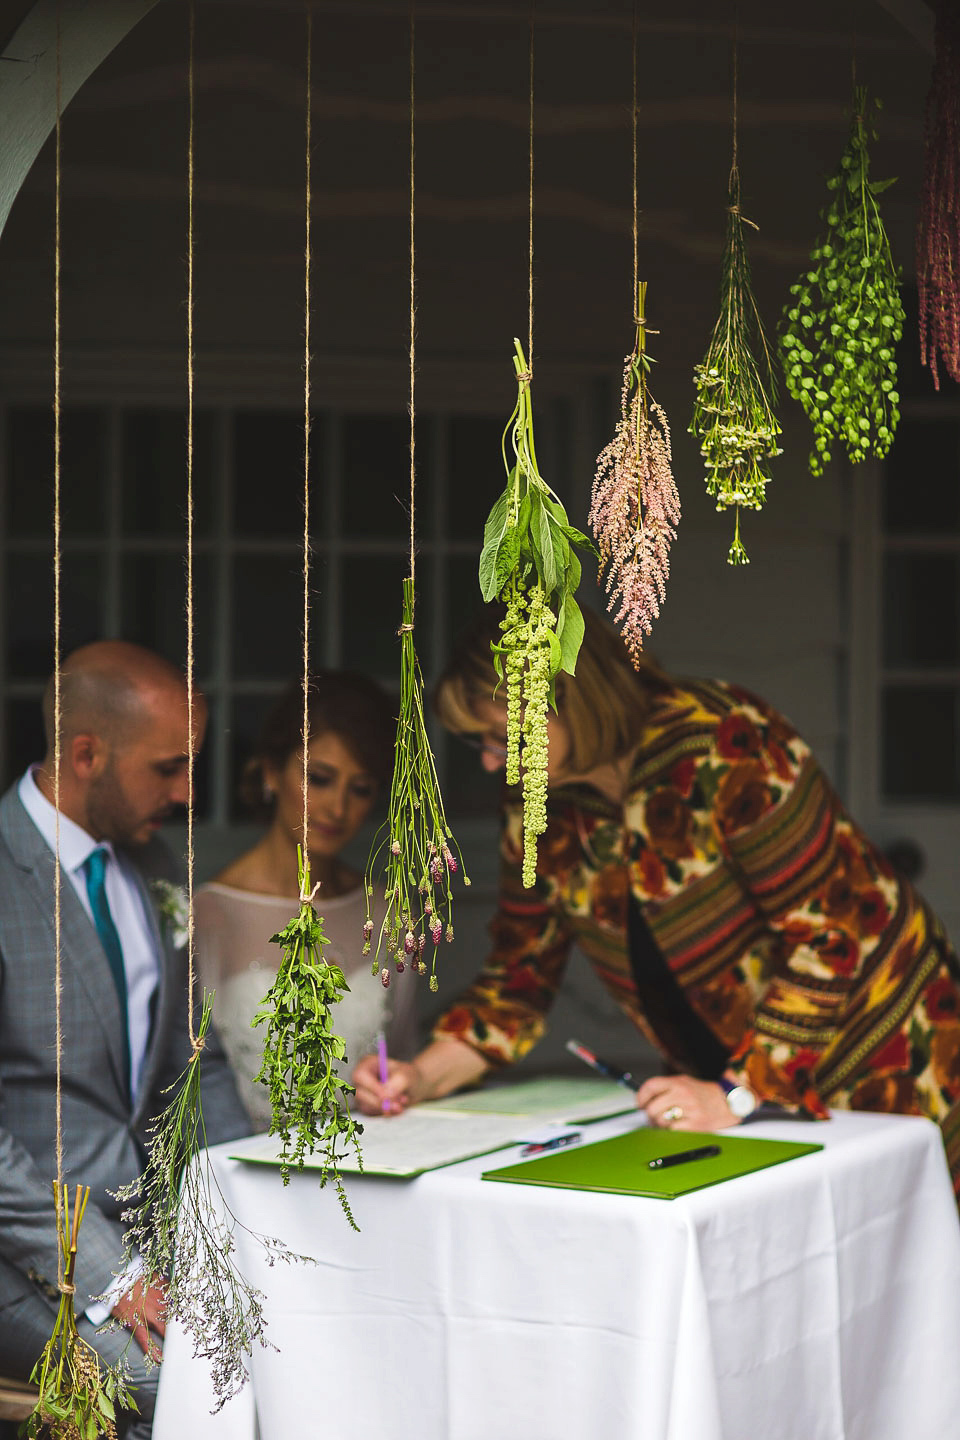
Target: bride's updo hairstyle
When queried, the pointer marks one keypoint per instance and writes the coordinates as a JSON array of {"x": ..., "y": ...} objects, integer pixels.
[
  {"x": 604, "y": 706},
  {"x": 340, "y": 702}
]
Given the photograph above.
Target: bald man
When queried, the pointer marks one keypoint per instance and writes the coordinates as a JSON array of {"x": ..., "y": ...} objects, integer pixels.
[{"x": 125, "y": 745}]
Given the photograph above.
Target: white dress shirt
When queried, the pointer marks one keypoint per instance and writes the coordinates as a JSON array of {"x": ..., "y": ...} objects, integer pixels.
[{"x": 141, "y": 963}]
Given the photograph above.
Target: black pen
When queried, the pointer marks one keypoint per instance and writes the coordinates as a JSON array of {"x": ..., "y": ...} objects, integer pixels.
[
  {"x": 556, "y": 1144},
  {"x": 602, "y": 1067},
  {"x": 680, "y": 1157}
]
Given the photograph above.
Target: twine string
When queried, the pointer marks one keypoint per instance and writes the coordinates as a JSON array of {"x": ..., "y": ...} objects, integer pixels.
[
  {"x": 736, "y": 63},
  {"x": 195, "y": 1045},
  {"x": 306, "y": 898},
  {"x": 633, "y": 119},
  {"x": 533, "y": 6},
  {"x": 57, "y": 696},
  {"x": 413, "y": 305}
]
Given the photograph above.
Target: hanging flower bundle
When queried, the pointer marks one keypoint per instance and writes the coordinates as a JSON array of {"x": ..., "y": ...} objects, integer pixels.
[
  {"x": 635, "y": 506},
  {"x": 301, "y": 1050},
  {"x": 79, "y": 1393},
  {"x": 176, "y": 1230},
  {"x": 529, "y": 561},
  {"x": 415, "y": 846},
  {"x": 733, "y": 417},
  {"x": 841, "y": 327},
  {"x": 938, "y": 228}
]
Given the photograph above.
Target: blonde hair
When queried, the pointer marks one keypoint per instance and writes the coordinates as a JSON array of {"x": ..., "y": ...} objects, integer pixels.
[{"x": 603, "y": 707}]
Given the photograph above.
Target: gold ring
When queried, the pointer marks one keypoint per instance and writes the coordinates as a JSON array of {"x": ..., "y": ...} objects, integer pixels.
[{"x": 672, "y": 1115}]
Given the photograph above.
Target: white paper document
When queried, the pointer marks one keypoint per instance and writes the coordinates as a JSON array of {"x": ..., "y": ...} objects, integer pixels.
[
  {"x": 404, "y": 1145},
  {"x": 441, "y": 1132}
]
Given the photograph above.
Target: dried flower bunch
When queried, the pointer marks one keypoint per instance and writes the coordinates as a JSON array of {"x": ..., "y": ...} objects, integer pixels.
[
  {"x": 79, "y": 1394},
  {"x": 529, "y": 561},
  {"x": 938, "y": 227},
  {"x": 415, "y": 845},
  {"x": 840, "y": 329},
  {"x": 635, "y": 507},
  {"x": 733, "y": 416},
  {"x": 301, "y": 1048},
  {"x": 177, "y": 1231}
]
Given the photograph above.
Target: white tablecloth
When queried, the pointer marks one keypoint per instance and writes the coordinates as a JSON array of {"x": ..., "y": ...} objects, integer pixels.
[{"x": 816, "y": 1300}]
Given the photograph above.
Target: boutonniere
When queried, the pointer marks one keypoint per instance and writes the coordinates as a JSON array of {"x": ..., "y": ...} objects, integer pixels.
[{"x": 171, "y": 903}]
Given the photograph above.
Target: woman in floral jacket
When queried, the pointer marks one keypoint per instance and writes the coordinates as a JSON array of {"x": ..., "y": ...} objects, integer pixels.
[{"x": 698, "y": 855}]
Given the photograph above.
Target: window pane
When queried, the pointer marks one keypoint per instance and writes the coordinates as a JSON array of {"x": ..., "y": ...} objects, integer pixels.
[
  {"x": 921, "y": 605},
  {"x": 475, "y": 473},
  {"x": 29, "y": 610},
  {"x": 921, "y": 743},
  {"x": 268, "y": 472},
  {"x": 921, "y": 479},
  {"x": 376, "y": 477},
  {"x": 371, "y": 613},
  {"x": 154, "y": 472},
  {"x": 464, "y": 601},
  {"x": 25, "y": 738},
  {"x": 153, "y": 606},
  {"x": 268, "y": 616},
  {"x": 83, "y": 471}
]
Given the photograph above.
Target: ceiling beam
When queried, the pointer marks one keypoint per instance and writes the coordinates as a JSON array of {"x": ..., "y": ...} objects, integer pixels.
[
  {"x": 89, "y": 30},
  {"x": 916, "y": 17}
]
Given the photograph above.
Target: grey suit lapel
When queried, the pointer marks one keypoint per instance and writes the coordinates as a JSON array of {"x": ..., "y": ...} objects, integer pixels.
[{"x": 82, "y": 954}]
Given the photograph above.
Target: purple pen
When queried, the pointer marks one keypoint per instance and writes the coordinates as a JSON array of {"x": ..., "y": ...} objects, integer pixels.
[{"x": 384, "y": 1071}]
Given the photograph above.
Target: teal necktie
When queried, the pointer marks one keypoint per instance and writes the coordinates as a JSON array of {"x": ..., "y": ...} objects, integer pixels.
[{"x": 95, "y": 866}]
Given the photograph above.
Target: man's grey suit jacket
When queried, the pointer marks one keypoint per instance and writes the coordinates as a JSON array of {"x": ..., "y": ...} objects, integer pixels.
[{"x": 103, "y": 1138}]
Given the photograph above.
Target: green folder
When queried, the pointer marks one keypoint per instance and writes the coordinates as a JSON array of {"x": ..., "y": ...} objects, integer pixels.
[{"x": 621, "y": 1166}]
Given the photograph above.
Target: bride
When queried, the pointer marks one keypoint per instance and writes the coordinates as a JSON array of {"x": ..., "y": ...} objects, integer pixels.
[{"x": 350, "y": 759}]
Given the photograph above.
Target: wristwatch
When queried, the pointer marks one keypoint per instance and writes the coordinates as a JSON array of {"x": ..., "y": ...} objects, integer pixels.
[{"x": 741, "y": 1100}]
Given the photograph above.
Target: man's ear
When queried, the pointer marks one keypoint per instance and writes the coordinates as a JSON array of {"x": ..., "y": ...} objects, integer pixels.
[{"x": 88, "y": 756}]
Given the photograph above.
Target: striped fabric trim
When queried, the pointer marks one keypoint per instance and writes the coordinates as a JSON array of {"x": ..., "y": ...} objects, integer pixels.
[
  {"x": 791, "y": 851},
  {"x": 706, "y": 927},
  {"x": 950, "y": 1126},
  {"x": 885, "y": 1022}
]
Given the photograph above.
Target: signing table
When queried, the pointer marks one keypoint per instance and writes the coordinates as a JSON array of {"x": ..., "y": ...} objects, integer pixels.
[{"x": 816, "y": 1300}]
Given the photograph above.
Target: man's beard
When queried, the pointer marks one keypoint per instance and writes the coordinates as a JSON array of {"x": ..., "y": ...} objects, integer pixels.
[{"x": 110, "y": 814}]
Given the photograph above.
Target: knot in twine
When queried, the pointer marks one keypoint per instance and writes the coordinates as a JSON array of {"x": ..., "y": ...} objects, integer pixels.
[
  {"x": 198, "y": 1047},
  {"x": 524, "y": 377},
  {"x": 66, "y": 1288},
  {"x": 735, "y": 210},
  {"x": 405, "y": 630},
  {"x": 306, "y": 899}
]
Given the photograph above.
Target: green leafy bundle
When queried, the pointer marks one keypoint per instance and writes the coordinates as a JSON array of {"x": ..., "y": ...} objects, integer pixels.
[
  {"x": 529, "y": 561},
  {"x": 301, "y": 1049},
  {"x": 178, "y": 1231},
  {"x": 415, "y": 844},
  {"x": 79, "y": 1394},
  {"x": 840, "y": 328},
  {"x": 733, "y": 416}
]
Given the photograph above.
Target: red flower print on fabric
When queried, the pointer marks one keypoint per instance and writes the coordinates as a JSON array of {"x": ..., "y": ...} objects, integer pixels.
[{"x": 738, "y": 737}]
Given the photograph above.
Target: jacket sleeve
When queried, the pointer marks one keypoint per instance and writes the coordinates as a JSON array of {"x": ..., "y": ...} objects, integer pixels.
[
  {"x": 502, "y": 1014},
  {"x": 224, "y": 1116},
  {"x": 829, "y": 899},
  {"x": 28, "y": 1222}
]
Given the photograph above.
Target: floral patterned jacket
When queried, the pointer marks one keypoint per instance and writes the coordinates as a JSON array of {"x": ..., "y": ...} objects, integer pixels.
[{"x": 824, "y": 977}]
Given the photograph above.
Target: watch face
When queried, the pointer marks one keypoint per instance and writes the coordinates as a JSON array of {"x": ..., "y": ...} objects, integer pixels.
[{"x": 742, "y": 1101}]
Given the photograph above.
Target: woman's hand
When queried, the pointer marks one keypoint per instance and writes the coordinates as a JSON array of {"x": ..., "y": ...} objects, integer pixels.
[
  {"x": 445, "y": 1065},
  {"x": 391, "y": 1097},
  {"x": 678, "y": 1102}
]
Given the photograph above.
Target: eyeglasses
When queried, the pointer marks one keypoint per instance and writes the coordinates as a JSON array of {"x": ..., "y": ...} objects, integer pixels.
[{"x": 486, "y": 745}]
